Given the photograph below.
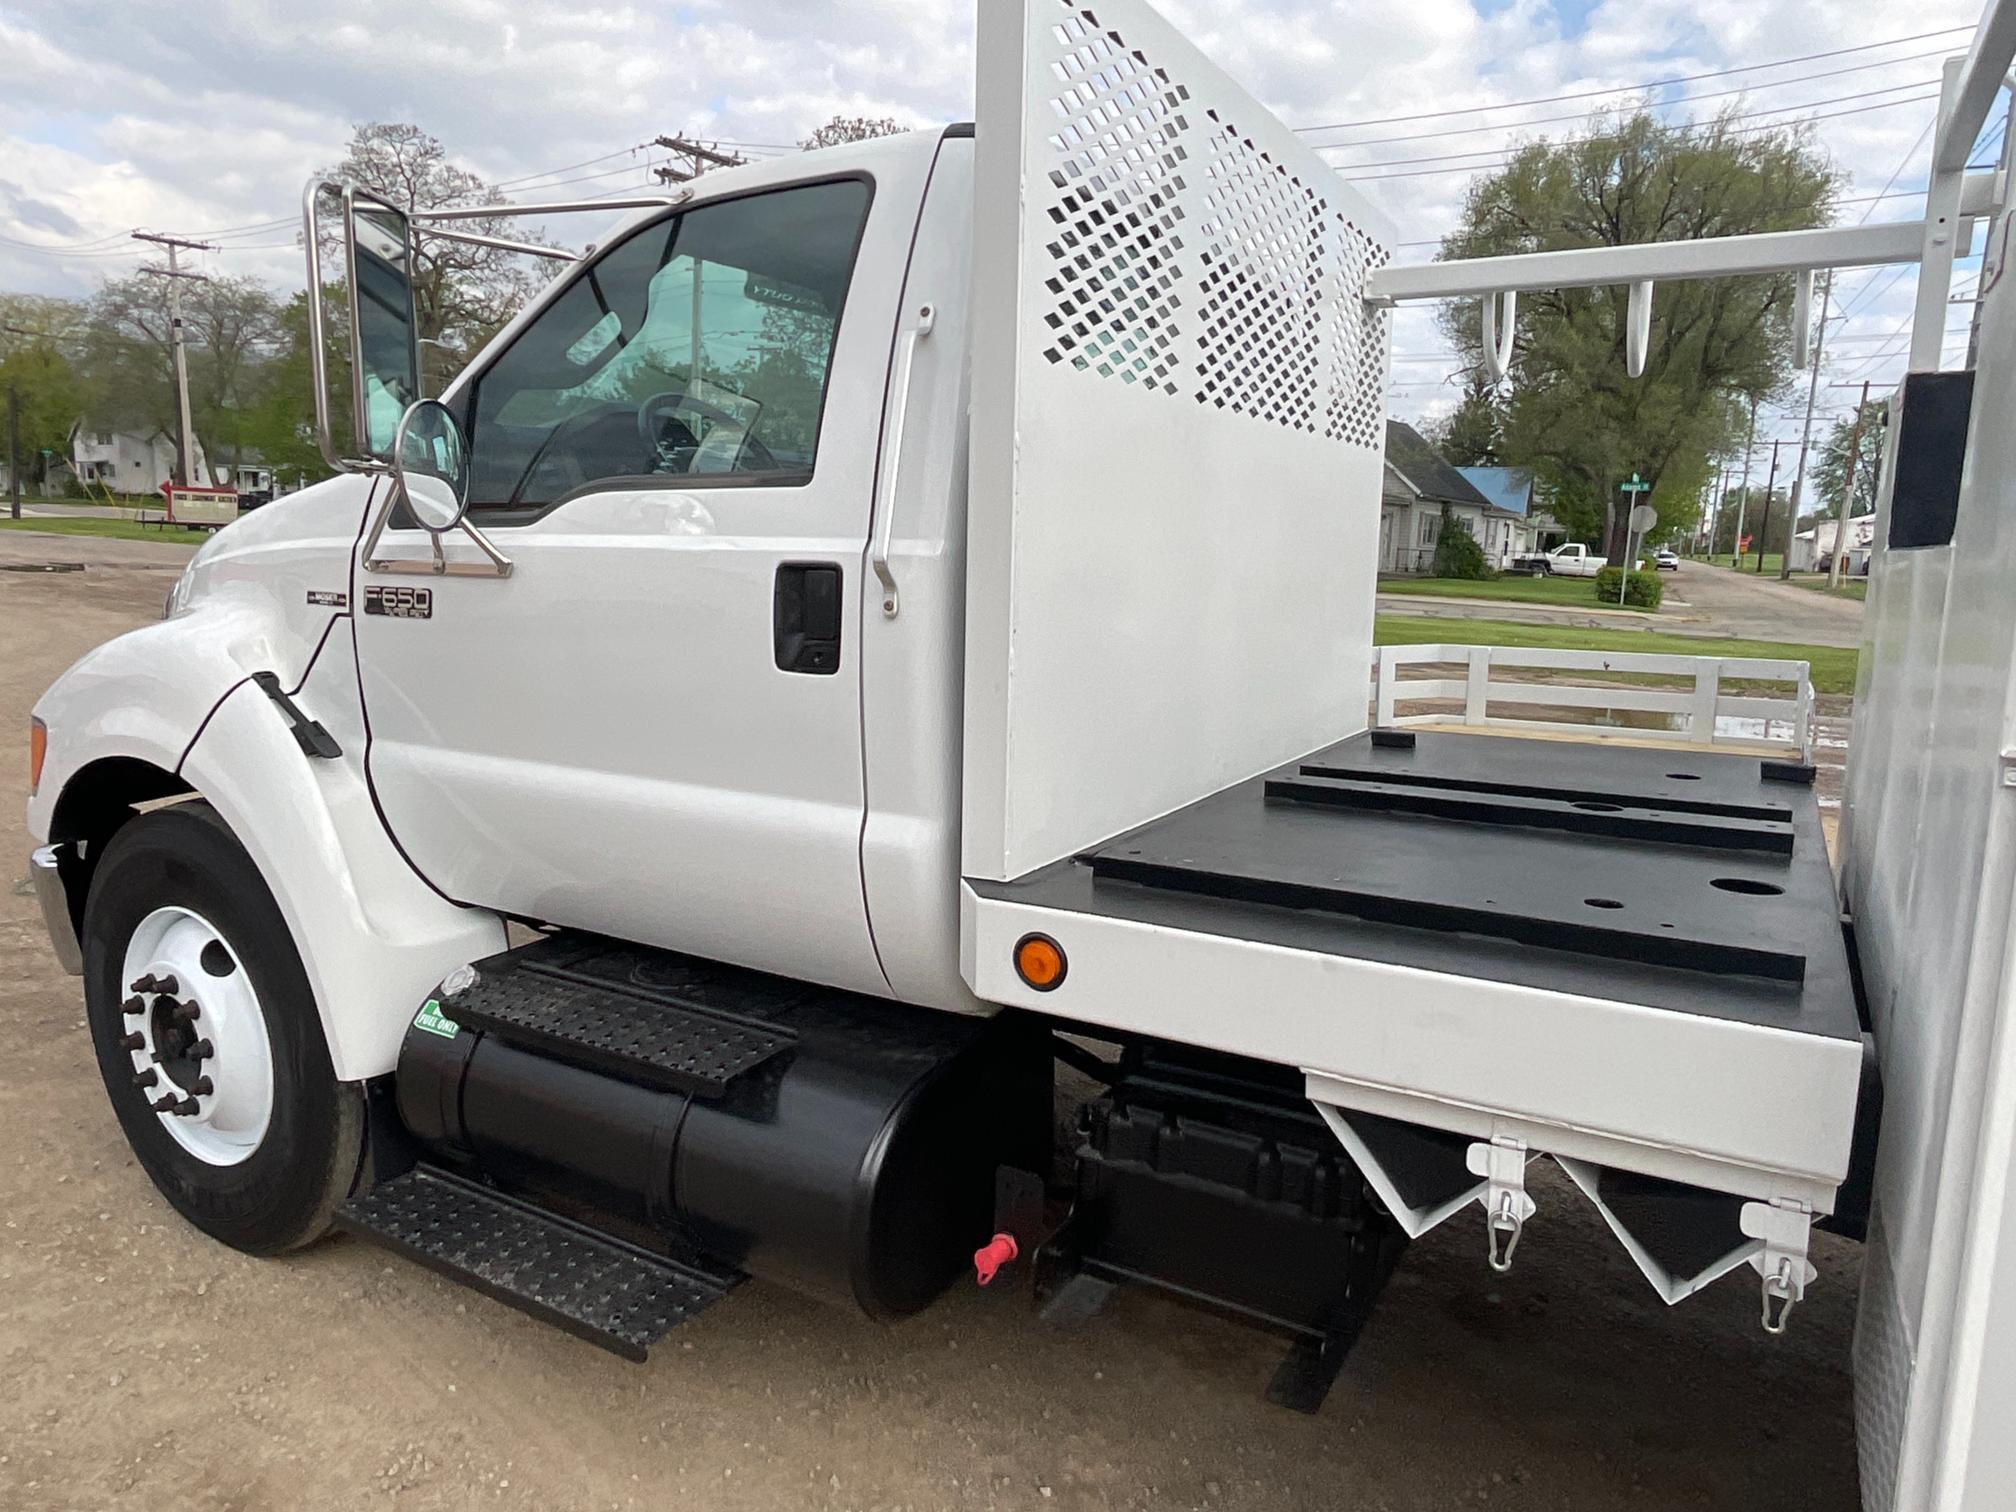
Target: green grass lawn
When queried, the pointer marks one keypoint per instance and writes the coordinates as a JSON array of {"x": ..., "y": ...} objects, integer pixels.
[
  {"x": 1772, "y": 559},
  {"x": 1851, "y": 587},
  {"x": 1562, "y": 592},
  {"x": 118, "y": 530},
  {"x": 1833, "y": 667}
]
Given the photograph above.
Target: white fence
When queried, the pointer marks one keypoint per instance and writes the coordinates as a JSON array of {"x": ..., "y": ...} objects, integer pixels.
[{"x": 1702, "y": 714}]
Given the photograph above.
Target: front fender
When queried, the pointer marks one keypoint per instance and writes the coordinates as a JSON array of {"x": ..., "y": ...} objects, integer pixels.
[
  {"x": 375, "y": 939},
  {"x": 145, "y": 694}
]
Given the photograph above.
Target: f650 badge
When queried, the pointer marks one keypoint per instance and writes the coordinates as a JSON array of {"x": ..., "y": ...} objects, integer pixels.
[{"x": 400, "y": 603}]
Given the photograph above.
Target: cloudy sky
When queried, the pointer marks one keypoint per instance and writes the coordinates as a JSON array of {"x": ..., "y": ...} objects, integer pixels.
[{"x": 206, "y": 119}]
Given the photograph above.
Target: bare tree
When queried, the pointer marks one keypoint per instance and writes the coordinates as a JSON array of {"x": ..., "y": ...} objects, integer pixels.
[
  {"x": 462, "y": 294},
  {"x": 852, "y": 129}
]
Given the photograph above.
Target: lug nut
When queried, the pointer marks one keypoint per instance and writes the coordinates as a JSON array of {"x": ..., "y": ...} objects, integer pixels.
[
  {"x": 145, "y": 1078},
  {"x": 165, "y": 1103},
  {"x": 134, "y": 1006},
  {"x": 202, "y": 1050},
  {"x": 134, "y": 1041},
  {"x": 186, "y": 1107},
  {"x": 146, "y": 984},
  {"x": 167, "y": 984},
  {"x": 185, "y": 1013},
  {"x": 202, "y": 1086}
]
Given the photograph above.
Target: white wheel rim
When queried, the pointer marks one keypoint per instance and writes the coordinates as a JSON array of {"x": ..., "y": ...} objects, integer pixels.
[{"x": 208, "y": 1073}]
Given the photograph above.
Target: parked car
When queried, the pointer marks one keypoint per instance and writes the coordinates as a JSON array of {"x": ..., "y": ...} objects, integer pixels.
[
  {"x": 1665, "y": 560},
  {"x": 1573, "y": 560}
]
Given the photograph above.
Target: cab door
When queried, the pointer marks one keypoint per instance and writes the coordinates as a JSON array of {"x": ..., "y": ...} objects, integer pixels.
[{"x": 651, "y": 727}]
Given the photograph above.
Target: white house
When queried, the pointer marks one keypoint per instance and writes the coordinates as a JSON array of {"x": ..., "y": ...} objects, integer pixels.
[
  {"x": 128, "y": 461},
  {"x": 1815, "y": 545},
  {"x": 1419, "y": 491}
]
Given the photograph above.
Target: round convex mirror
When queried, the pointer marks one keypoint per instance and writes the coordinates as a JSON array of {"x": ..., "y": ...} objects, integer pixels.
[{"x": 432, "y": 465}]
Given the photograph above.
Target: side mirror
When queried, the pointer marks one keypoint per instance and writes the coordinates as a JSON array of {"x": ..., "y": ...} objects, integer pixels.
[
  {"x": 430, "y": 463},
  {"x": 384, "y": 328}
]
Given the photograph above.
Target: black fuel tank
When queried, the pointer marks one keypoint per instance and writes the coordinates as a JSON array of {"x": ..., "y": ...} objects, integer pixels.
[{"x": 841, "y": 1145}]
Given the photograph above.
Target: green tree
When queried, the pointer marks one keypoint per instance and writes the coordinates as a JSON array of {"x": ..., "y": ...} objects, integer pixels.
[
  {"x": 50, "y": 396},
  {"x": 232, "y": 333},
  {"x": 1830, "y": 470},
  {"x": 1471, "y": 435},
  {"x": 1570, "y": 411},
  {"x": 1457, "y": 554}
]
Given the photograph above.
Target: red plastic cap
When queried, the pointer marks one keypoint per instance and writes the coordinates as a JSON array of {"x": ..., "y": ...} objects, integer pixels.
[{"x": 990, "y": 1257}]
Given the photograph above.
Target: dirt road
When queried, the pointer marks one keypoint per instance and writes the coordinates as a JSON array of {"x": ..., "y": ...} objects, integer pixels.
[
  {"x": 143, "y": 1366},
  {"x": 1751, "y": 607}
]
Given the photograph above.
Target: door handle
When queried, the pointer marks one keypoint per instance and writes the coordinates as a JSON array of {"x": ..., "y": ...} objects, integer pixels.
[
  {"x": 885, "y": 521},
  {"x": 805, "y": 617}
]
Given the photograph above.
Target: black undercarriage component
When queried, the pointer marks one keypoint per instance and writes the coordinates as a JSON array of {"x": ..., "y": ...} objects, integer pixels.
[
  {"x": 682, "y": 1033},
  {"x": 840, "y": 1145},
  {"x": 1214, "y": 1181},
  {"x": 616, "y": 1295}
]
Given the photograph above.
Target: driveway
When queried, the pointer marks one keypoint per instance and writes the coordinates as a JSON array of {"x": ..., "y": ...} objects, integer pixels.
[{"x": 1756, "y": 607}]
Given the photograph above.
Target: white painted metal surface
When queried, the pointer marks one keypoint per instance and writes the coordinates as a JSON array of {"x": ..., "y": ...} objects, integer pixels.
[
  {"x": 1177, "y": 429},
  {"x": 632, "y": 725},
  {"x": 1756, "y": 1111},
  {"x": 1702, "y": 714},
  {"x": 1930, "y": 875},
  {"x": 230, "y": 1119},
  {"x": 912, "y": 664}
]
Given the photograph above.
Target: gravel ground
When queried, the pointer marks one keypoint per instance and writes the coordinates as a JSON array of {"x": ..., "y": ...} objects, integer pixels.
[{"x": 143, "y": 1365}]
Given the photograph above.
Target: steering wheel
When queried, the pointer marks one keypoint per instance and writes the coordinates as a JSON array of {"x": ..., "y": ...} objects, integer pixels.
[{"x": 652, "y": 413}]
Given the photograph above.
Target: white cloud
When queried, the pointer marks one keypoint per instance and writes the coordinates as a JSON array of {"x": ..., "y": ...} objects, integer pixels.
[{"x": 120, "y": 113}]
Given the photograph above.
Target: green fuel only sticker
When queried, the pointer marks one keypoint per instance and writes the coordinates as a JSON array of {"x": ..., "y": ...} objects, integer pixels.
[{"x": 434, "y": 1021}]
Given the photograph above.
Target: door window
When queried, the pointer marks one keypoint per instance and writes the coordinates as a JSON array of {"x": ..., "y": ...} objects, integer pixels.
[{"x": 696, "y": 348}]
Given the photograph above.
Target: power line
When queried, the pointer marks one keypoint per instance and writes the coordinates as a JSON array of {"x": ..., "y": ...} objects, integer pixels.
[
  {"x": 1581, "y": 115},
  {"x": 1591, "y": 94},
  {"x": 1750, "y": 115},
  {"x": 1373, "y": 178}
]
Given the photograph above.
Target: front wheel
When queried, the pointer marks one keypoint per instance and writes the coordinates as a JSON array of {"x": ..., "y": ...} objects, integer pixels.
[{"x": 208, "y": 1039}]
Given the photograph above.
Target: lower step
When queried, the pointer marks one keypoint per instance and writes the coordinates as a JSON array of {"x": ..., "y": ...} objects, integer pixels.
[{"x": 596, "y": 1287}]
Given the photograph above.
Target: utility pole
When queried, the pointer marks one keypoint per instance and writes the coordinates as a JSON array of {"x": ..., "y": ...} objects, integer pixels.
[
  {"x": 1742, "y": 499},
  {"x": 1764, "y": 525},
  {"x": 174, "y": 274},
  {"x": 1806, "y": 431},
  {"x": 699, "y": 159},
  {"x": 1848, "y": 492}
]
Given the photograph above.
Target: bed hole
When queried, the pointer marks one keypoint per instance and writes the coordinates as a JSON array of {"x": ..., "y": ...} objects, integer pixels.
[
  {"x": 1602, "y": 903},
  {"x": 1601, "y": 808},
  {"x": 1747, "y": 887},
  {"x": 1685, "y": 776}
]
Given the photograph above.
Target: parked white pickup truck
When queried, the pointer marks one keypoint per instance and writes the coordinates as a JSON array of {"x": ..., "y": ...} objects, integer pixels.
[
  {"x": 1572, "y": 560},
  {"x": 886, "y": 610}
]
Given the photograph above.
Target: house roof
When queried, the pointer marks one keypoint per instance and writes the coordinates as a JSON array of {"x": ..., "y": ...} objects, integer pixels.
[
  {"x": 1508, "y": 488},
  {"x": 1422, "y": 468}
]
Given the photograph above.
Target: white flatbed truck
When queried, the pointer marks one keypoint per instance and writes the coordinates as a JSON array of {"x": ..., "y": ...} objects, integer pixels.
[{"x": 888, "y": 617}]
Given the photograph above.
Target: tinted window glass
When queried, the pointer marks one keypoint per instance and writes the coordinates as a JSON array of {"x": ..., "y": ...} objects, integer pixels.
[{"x": 698, "y": 347}]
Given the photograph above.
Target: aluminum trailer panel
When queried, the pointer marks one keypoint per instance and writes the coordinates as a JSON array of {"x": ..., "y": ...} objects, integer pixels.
[{"x": 1632, "y": 956}]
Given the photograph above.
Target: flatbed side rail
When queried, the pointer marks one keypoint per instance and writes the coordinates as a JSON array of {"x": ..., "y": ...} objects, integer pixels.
[{"x": 1703, "y": 714}]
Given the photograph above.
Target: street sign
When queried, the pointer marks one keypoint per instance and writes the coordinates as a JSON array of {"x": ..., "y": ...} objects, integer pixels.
[
  {"x": 1643, "y": 518},
  {"x": 1636, "y": 485}
]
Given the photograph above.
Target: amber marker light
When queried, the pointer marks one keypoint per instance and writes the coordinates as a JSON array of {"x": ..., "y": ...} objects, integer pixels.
[
  {"x": 1039, "y": 961},
  {"x": 38, "y": 749}
]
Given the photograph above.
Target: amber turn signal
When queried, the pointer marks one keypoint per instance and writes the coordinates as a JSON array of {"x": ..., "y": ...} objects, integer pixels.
[
  {"x": 38, "y": 749},
  {"x": 1039, "y": 961}
]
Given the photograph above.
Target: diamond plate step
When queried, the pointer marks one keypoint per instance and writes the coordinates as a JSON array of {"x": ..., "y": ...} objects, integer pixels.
[
  {"x": 596, "y": 1287},
  {"x": 655, "y": 1040}
]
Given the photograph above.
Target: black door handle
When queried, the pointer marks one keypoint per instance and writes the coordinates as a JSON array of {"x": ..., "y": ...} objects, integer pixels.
[{"x": 805, "y": 617}]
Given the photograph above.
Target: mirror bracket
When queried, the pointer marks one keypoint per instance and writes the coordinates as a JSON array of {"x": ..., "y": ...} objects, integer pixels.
[{"x": 495, "y": 565}]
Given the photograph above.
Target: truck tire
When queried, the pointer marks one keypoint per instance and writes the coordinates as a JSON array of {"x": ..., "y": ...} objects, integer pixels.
[{"x": 208, "y": 1039}]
